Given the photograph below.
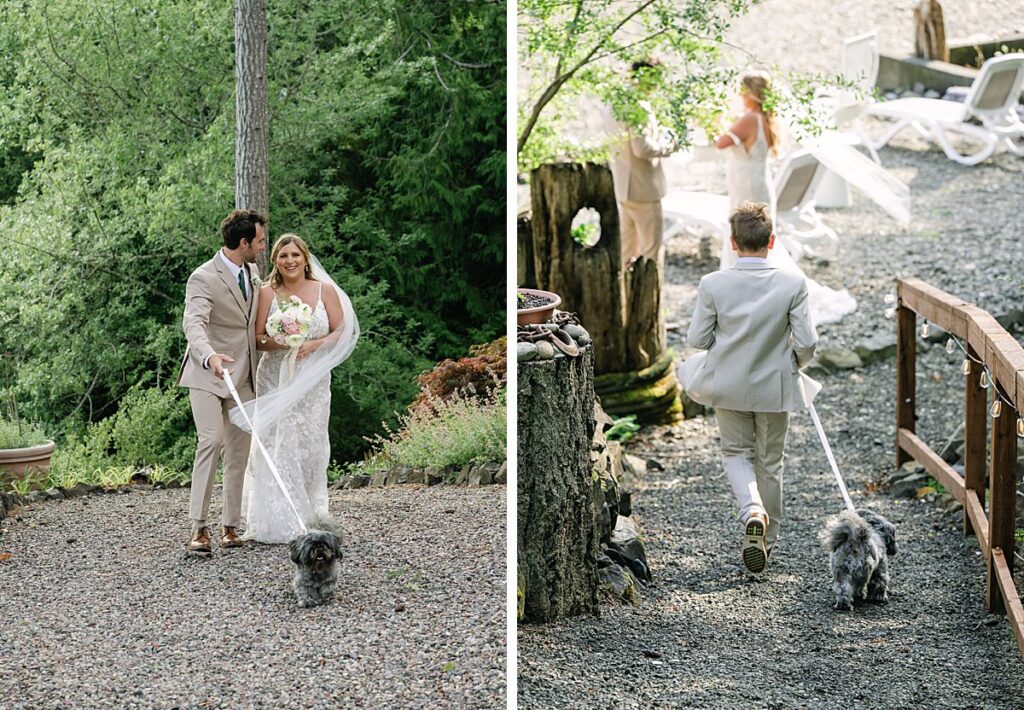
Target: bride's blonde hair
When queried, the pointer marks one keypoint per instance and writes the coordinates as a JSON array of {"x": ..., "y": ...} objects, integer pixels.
[
  {"x": 275, "y": 278},
  {"x": 757, "y": 84}
]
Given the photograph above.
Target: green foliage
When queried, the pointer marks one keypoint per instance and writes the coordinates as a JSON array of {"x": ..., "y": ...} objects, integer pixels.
[
  {"x": 454, "y": 431},
  {"x": 936, "y": 486},
  {"x": 622, "y": 428},
  {"x": 19, "y": 436},
  {"x": 116, "y": 168},
  {"x": 577, "y": 55},
  {"x": 24, "y": 485}
]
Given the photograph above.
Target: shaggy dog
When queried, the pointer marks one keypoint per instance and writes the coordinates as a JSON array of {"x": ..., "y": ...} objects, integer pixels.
[
  {"x": 860, "y": 544},
  {"x": 316, "y": 555}
]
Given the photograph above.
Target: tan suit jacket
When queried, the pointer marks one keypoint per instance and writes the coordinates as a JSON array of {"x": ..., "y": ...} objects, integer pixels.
[
  {"x": 755, "y": 323},
  {"x": 636, "y": 168},
  {"x": 219, "y": 320}
]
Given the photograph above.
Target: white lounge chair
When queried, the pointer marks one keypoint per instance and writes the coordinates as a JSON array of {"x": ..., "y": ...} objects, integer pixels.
[
  {"x": 797, "y": 224},
  {"x": 860, "y": 69},
  {"x": 986, "y": 116}
]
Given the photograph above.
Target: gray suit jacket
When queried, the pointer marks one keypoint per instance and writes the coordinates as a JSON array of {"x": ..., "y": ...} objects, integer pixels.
[
  {"x": 636, "y": 168},
  {"x": 218, "y": 320},
  {"x": 754, "y": 321}
]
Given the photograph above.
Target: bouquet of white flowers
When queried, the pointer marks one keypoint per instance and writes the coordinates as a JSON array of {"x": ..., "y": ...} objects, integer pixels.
[{"x": 289, "y": 326}]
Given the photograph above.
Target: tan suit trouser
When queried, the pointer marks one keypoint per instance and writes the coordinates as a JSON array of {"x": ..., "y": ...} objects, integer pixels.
[
  {"x": 753, "y": 445},
  {"x": 640, "y": 228},
  {"x": 218, "y": 435}
]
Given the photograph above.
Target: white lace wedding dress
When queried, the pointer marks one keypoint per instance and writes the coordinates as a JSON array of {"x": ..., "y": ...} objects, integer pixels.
[
  {"x": 748, "y": 178},
  {"x": 299, "y": 446}
]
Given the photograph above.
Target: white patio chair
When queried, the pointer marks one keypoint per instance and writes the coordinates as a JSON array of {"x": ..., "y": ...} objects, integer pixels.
[
  {"x": 986, "y": 116},
  {"x": 797, "y": 224}
]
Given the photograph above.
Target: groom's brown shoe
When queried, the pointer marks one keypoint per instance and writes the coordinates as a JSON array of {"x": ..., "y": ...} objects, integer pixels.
[
  {"x": 229, "y": 537},
  {"x": 200, "y": 541}
]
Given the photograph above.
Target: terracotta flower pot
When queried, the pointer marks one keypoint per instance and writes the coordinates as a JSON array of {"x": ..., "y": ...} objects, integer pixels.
[
  {"x": 537, "y": 314},
  {"x": 16, "y": 464}
]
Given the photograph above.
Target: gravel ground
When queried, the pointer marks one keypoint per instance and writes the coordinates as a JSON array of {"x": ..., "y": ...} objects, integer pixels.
[
  {"x": 710, "y": 635},
  {"x": 101, "y": 609}
]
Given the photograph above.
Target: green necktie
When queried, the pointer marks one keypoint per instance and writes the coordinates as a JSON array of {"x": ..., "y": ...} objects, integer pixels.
[{"x": 241, "y": 284}]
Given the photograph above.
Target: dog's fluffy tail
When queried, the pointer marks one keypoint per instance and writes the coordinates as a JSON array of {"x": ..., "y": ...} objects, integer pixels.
[
  {"x": 847, "y": 526},
  {"x": 327, "y": 524}
]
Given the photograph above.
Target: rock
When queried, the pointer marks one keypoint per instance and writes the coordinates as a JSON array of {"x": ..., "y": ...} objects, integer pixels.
[
  {"x": 578, "y": 333},
  {"x": 37, "y": 496},
  {"x": 890, "y": 95},
  {"x": 526, "y": 352},
  {"x": 918, "y": 87},
  {"x": 487, "y": 472},
  {"x": 627, "y": 541},
  {"x": 358, "y": 481},
  {"x": 838, "y": 359},
  {"x": 416, "y": 475},
  {"x": 463, "y": 475},
  {"x": 910, "y": 94},
  {"x": 545, "y": 350},
  {"x": 379, "y": 479},
  {"x": 433, "y": 476},
  {"x": 907, "y": 487},
  {"x": 80, "y": 489},
  {"x": 475, "y": 476},
  {"x": 618, "y": 583},
  {"x": 932, "y": 94},
  {"x": 877, "y": 347},
  {"x": 501, "y": 475},
  {"x": 631, "y": 468}
]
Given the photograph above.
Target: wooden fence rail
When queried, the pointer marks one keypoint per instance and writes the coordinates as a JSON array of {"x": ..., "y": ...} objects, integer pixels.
[{"x": 1002, "y": 356}]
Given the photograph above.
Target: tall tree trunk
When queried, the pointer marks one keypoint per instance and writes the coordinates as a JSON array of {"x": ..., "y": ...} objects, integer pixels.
[
  {"x": 252, "y": 132},
  {"x": 557, "y": 533}
]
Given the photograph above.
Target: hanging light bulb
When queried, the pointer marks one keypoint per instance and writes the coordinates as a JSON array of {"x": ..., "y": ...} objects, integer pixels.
[
  {"x": 966, "y": 367},
  {"x": 890, "y": 298},
  {"x": 997, "y": 408},
  {"x": 984, "y": 379},
  {"x": 890, "y": 313},
  {"x": 950, "y": 346},
  {"x": 1020, "y": 427},
  {"x": 924, "y": 329}
]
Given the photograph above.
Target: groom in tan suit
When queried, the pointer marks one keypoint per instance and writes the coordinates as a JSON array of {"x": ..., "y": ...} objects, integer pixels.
[
  {"x": 754, "y": 321},
  {"x": 220, "y": 313}
]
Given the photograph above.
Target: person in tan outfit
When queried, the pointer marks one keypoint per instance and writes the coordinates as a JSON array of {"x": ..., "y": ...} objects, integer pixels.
[
  {"x": 638, "y": 176},
  {"x": 219, "y": 320},
  {"x": 754, "y": 322}
]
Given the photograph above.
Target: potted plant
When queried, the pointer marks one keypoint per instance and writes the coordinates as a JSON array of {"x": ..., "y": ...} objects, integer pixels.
[
  {"x": 24, "y": 451},
  {"x": 535, "y": 306}
]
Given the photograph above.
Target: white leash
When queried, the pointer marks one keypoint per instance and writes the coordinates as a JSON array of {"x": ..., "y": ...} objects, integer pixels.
[
  {"x": 809, "y": 389},
  {"x": 270, "y": 462}
]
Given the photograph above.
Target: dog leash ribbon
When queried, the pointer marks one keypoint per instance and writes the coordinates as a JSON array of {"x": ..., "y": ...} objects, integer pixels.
[
  {"x": 270, "y": 462},
  {"x": 809, "y": 389}
]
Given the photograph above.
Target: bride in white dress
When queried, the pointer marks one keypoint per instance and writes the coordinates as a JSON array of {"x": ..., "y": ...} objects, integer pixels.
[
  {"x": 747, "y": 144},
  {"x": 292, "y": 406}
]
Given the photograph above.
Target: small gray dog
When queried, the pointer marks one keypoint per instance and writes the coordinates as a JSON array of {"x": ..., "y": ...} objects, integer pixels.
[
  {"x": 316, "y": 556},
  {"x": 860, "y": 544}
]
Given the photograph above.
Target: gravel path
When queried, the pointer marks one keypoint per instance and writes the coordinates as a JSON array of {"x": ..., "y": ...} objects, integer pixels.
[
  {"x": 709, "y": 635},
  {"x": 100, "y": 609}
]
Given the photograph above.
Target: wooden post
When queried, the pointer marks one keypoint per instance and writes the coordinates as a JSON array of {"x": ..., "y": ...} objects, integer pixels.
[
  {"x": 906, "y": 386},
  {"x": 1002, "y": 511},
  {"x": 975, "y": 433}
]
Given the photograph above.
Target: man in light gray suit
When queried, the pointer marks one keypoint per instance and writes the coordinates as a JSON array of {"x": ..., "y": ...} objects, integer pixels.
[
  {"x": 219, "y": 319},
  {"x": 638, "y": 178},
  {"x": 754, "y": 321}
]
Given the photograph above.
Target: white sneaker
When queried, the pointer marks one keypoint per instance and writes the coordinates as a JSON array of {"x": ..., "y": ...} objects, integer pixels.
[{"x": 754, "y": 553}]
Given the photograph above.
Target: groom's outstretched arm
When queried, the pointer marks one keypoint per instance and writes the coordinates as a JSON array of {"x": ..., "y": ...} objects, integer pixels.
[
  {"x": 804, "y": 337},
  {"x": 705, "y": 317},
  {"x": 198, "y": 303}
]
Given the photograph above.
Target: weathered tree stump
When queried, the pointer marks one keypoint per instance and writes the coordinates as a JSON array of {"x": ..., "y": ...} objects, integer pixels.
[
  {"x": 557, "y": 537},
  {"x": 621, "y": 309},
  {"x": 930, "y": 31}
]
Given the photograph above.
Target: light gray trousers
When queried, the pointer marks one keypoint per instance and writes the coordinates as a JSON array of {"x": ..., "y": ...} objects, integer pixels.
[{"x": 752, "y": 452}]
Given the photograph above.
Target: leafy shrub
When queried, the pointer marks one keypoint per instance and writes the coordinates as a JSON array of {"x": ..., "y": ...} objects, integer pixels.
[
  {"x": 622, "y": 429},
  {"x": 449, "y": 432},
  {"x": 481, "y": 374},
  {"x": 13, "y": 436}
]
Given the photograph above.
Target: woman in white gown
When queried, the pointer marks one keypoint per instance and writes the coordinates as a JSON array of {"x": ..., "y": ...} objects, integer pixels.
[
  {"x": 747, "y": 144},
  {"x": 293, "y": 397}
]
